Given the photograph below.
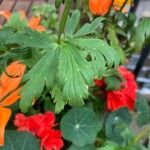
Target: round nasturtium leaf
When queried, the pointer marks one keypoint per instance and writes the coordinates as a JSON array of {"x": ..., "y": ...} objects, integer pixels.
[
  {"x": 121, "y": 116},
  {"x": 80, "y": 126}
]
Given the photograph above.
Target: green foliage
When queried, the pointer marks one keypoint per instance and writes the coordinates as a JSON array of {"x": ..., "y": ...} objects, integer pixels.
[
  {"x": 87, "y": 147},
  {"x": 75, "y": 74},
  {"x": 16, "y": 21},
  {"x": 142, "y": 34},
  {"x": 113, "y": 81},
  {"x": 20, "y": 141},
  {"x": 80, "y": 126},
  {"x": 30, "y": 38},
  {"x": 114, "y": 42},
  {"x": 72, "y": 23},
  {"x": 143, "y": 111},
  {"x": 137, "y": 147},
  {"x": 65, "y": 65},
  {"x": 4, "y": 34},
  {"x": 58, "y": 97},
  {"x": 116, "y": 126},
  {"x": 89, "y": 28},
  {"x": 58, "y": 3},
  {"x": 48, "y": 13},
  {"x": 42, "y": 73},
  {"x": 109, "y": 146}
]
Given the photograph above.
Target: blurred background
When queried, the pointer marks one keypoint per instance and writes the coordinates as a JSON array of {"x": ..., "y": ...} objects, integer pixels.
[{"x": 138, "y": 63}]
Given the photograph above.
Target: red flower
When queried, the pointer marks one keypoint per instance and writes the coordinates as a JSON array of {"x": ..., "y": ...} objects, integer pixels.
[
  {"x": 41, "y": 125},
  {"x": 126, "y": 96},
  {"x": 123, "y": 97}
]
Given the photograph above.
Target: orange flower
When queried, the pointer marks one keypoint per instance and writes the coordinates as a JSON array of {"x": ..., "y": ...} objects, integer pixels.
[
  {"x": 119, "y": 3},
  {"x": 99, "y": 7},
  {"x": 33, "y": 23},
  {"x": 6, "y": 14},
  {"x": 9, "y": 93}
]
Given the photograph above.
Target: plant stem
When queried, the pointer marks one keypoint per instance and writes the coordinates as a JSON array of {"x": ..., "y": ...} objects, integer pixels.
[
  {"x": 64, "y": 16},
  {"x": 142, "y": 134},
  {"x": 123, "y": 5},
  {"x": 78, "y": 4}
]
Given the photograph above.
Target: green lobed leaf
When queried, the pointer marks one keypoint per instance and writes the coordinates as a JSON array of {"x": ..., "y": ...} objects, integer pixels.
[
  {"x": 43, "y": 73},
  {"x": 4, "y": 34},
  {"x": 87, "y": 147},
  {"x": 59, "y": 100},
  {"x": 101, "y": 53},
  {"x": 15, "y": 140},
  {"x": 143, "y": 111},
  {"x": 74, "y": 74},
  {"x": 116, "y": 125},
  {"x": 72, "y": 23},
  {"x": 31, "y": 38},
  {"x": 89, "y": 28},
  {"x": 80, "y": 126}
]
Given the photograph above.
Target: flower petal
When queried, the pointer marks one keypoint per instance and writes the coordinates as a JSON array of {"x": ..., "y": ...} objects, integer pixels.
[
  {"x": 8, "y": 84},
  {"x": 5, "y": 114}
]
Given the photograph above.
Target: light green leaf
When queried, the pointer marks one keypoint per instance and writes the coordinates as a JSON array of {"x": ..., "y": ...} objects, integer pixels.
[
  {"x": 114, "y": 42},
  {"x": 101, "y": 53},
  {"x": 137, "y": 147},
  {"x": 57, "y": 94},
  {"x": 109, "y": 145},
  {"x": 31, "y": 38},
  {"x": 4, "y": 34},
  {"x": 142, "y": 34},
  {"x": 16, "y": 21},
  {"x": 80, "y": 126},
  {"x": 75, "y": 75},
  {"x": 87, "y": 147},
  {"x": 89, "y": 28},
  {"x": 116, "y": 125},
  {"x": 20, "y": 141},
  {"x": 143, "y": 111},
  {"x": 72, "y": 23},
  {"x": 42, "y": 73}
]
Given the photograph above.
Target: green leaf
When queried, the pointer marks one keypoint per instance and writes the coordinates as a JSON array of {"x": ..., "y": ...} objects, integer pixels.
[
  {"x": 58, "y": 3},
  {"x": 16, "y": 21},
  {"x": 137, "y": 147},
  {"x": 116, "y": 125},
  {"x": 72, "y": 23},
  {"x": 4, "y": 34},
  {"x": 89, "y": 28},
  {"x": 87, "y": 147},
  {"x": 109, "y": 145},
  {"x": 113, "y": 81},
  {"x": 101, "y": 53},
  {"x": 142, "y": 34},
  {"x": 57, "y": 94},
  {"x": 31, "y": 38},
  {"x": 114, "y": 42},
  {"x": 143, "y": 111},
  {"x": 74, "y": 74},
  {"x": 20, "y": 141},
  {"x": 80, "y": 126},
  {"x": 42, "y": 73}
]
